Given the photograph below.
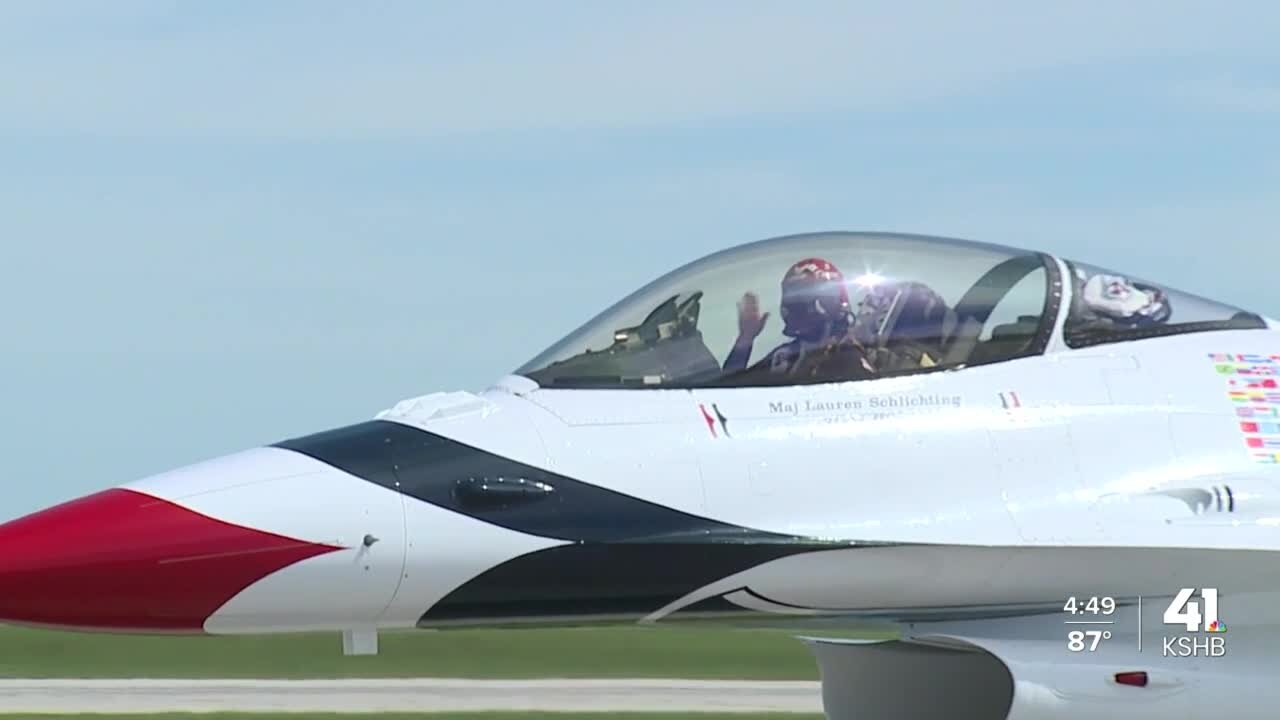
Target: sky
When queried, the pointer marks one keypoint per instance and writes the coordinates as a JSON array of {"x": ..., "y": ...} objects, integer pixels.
[{"x": 226, "y": 224}]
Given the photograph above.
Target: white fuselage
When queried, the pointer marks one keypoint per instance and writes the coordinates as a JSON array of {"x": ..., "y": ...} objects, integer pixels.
[{"x": 1007, "y": 485}]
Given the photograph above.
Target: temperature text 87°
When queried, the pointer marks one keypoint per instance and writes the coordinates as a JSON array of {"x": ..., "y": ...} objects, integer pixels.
[{"x": 1078, "y": 640}]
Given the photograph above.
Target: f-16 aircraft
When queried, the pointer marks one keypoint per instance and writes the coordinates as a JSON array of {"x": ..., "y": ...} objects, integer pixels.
[{"x": 1057, "y": 482}]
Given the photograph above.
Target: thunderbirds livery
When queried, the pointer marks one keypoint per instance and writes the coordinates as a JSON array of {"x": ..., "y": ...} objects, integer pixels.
[{"x": 1057, "y": 482}]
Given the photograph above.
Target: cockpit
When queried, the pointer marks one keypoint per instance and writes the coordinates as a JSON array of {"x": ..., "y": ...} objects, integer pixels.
[{"x": 833, "y": 307}]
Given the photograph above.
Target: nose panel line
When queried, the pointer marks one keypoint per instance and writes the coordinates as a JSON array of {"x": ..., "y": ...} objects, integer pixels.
[
  {"x": 236, "y": 486},
  {"x": 239, "y": 553}
]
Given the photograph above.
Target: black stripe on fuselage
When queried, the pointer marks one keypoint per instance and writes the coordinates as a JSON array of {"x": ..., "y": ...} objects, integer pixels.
[
  {"x": 447, "y": 473},
  {"x": 614, "y": 581},
  {"x": 630, "y": 556}
]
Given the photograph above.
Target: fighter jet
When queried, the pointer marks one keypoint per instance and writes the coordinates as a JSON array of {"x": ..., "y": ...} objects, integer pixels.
[{"x": 1057, "y": 482}]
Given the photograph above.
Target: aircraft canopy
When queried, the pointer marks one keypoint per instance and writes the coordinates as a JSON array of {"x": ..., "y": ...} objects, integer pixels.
[{"x": 829, "y": 307}]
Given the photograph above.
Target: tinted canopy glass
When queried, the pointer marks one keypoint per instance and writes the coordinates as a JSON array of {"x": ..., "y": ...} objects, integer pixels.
[
  {"x": 1109, "y": 307},
  {"x": 814, "y": 308}
]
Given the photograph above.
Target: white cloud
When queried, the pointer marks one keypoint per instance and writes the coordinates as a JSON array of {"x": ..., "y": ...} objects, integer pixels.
[{"x": 418, "y": 71}]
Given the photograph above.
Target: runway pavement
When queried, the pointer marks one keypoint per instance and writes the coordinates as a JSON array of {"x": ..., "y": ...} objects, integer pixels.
[{"x": 407, "y": 695}]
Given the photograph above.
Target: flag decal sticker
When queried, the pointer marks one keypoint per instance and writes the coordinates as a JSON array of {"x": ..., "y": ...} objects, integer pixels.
[{"x": 1252, "y": 388}]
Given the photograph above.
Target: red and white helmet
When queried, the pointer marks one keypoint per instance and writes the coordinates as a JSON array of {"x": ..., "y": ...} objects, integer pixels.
[{"x": 813, "y": 293}]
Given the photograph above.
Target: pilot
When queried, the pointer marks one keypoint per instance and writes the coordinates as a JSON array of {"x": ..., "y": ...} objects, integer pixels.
[
  {"x": 1120, "y": 302},
  {"x": 903, "y": 325},
  {"x": 816, "y": 315}
]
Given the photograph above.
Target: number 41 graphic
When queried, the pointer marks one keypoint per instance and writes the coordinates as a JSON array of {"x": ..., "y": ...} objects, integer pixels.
[{"x": 1191, "y": 618}]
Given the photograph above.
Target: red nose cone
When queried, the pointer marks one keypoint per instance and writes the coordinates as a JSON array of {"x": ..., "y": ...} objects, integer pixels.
[{"x": 122, "y": 560}]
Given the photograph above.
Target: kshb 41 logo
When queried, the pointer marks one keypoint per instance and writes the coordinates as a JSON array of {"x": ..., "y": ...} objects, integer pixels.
[{"x": 1185, "y": 611}]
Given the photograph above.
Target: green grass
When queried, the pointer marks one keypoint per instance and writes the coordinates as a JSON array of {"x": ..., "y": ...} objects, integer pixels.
[
  {"x": 599, "y": 652},
  {"x": 440, "y": 716}
]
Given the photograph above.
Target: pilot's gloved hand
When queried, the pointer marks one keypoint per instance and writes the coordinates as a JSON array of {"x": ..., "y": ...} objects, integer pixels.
[{"x": 750, "y": 321}]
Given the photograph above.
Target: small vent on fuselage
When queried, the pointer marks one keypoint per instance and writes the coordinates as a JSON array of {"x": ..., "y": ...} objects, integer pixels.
[{"x": 499, "y": 493}]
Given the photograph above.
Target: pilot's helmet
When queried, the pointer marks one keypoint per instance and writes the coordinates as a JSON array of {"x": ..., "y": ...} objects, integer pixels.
[
  {"x": 1122, "y": 300},
  {"x": 813, "y": 295},
  {"x": 920, "y": 312}
]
